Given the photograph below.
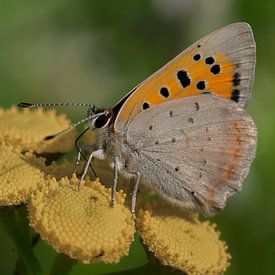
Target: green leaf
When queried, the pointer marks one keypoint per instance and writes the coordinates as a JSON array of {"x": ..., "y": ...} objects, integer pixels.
[{"x": 14, "y": 231}]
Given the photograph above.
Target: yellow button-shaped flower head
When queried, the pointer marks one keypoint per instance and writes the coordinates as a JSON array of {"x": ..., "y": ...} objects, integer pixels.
[
  {"x": 180, "y": 240},
  {"x": 28, "y": 128},
  {"x": 81, "y": 223},
  {"x": 18, "y": 176}
]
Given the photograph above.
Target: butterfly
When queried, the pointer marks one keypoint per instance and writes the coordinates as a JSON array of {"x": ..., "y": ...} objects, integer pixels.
[{"x": 184, "y": 131}]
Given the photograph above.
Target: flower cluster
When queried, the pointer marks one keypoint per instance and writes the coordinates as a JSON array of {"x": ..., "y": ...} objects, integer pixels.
[{"x": 81, "y": 223}]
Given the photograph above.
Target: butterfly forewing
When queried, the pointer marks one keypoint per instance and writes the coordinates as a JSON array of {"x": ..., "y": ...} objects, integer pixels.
[
  {"x": 222, "y": 63},
  {"x": 194, "y": 151}
]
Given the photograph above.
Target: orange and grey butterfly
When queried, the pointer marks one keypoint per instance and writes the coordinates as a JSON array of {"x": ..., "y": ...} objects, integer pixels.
[
  {"x": 222, "y": 63},
  {"x": 194, "y": 149}
]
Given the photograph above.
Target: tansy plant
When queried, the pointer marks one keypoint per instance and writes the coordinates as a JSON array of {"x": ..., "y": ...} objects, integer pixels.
[{"x": 80, "y": 224}]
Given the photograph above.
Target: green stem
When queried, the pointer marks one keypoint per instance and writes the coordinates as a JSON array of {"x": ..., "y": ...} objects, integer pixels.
[
  {"x": 22, "y": 222},
  {"x": 10, "y": 225},
  {"x": 62, "y": 265}
]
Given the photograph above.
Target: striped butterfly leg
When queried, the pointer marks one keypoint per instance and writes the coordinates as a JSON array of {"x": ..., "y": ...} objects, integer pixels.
[
  {"x": 82, "y": 147},
  {"x": 95, "y": 154},
  {"x": 135, "y": 190},
  {"x": 135, "y": 174},
  {"x": 115, "y": 178}
]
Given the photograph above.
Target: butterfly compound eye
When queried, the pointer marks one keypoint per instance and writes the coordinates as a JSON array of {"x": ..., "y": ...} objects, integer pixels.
[{"x": 102, "y": 121}]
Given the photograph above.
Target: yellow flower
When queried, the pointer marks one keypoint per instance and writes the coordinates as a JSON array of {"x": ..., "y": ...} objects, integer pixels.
[
  {"x": 27, "y": 129},
  {"x": 81, "y": 223},
  {"x": 181, "y": 241},
  {"x": 18, "y": 176}
]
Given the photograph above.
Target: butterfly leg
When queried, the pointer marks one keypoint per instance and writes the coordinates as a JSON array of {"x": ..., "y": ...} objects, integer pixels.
[
  {"x": 135, "y": 190},
  {"x": 97, "y": 154},
  {"x": 114, "y": 185},
  {"x": 90, "y": 147}
]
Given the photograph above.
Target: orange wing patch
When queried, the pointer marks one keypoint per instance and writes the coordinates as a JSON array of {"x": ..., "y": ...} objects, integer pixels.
[
  {"x": 190, "y": 74},
  {"x": 188, "y": 77}
]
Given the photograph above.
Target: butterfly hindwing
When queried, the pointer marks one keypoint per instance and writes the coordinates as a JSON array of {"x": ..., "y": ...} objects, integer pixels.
[
  {"x": 222, "y": 63},
  {"x": 196, "y": 151}
]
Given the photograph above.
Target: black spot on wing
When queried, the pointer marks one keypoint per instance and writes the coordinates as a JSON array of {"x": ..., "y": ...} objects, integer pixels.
[
  {"x": 215, "y": 69},
  {"x": 209, "y": 60},
  {"x": 201, "y": 85},
  {"x": 235, "y": 95},
  {"x": 197, "y": 57},
  {"x": 164, "y": 92},
  {"x": 197, "y": 106},
  {"x": 191, "y": 120},
  {"x": 145, "y": 106},
  {"x": 236, "y": 79},
  {"x": 183, "y": 78}
]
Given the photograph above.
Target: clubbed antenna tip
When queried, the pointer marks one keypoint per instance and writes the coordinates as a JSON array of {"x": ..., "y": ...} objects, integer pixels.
[
  {"x": 49, "y": 137},
  {"x": 25, "y": 105}
]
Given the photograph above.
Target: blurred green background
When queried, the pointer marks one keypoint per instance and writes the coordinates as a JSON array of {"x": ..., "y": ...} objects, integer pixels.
[{"x": 96, "y": 51}]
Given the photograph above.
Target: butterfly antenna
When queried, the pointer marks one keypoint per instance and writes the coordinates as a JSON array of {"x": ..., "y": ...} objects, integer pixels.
[
  {"x": 35, "y": 105},
  {"x": 73, "y": 126}
]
